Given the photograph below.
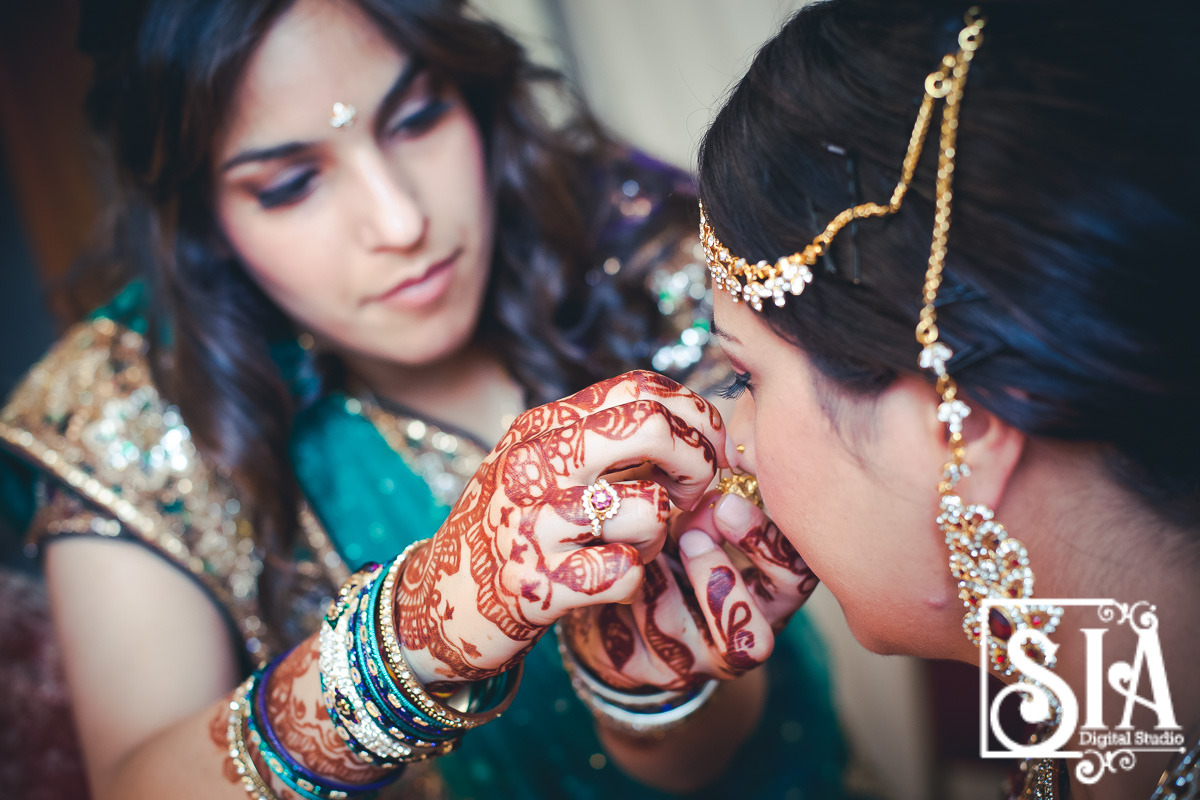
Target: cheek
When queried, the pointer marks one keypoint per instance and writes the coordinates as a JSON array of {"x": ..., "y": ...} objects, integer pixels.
[
  {"x": 290, "y": 257},
  {"x": 806, "y": 481},
  {"x": 865, "y": 526},
  {"x": 452, "y": 172}
]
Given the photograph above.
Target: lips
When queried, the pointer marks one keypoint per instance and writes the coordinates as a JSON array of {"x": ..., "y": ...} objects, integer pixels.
[{"x": 421, "y": 289}]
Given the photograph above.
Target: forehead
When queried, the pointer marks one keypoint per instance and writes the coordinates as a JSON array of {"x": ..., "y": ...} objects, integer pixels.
[
  {"x": 316, "y": 54},
  {"x": 734, "y": 322}
]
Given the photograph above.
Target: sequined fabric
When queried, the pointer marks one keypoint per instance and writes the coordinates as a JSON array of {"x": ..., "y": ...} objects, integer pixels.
[{"x": 88, "y": 416}]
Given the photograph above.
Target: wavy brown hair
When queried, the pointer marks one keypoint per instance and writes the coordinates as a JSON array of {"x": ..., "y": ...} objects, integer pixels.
[{"x": 166, "y": 73}]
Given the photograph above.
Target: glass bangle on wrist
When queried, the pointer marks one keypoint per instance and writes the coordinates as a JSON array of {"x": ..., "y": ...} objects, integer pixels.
[
  {"x": 345, "y": 707},
  {"x": 239, "y": 753},
  {"x": 374, "y": 701},
  {"x": 475, "y": 704},
  {"x": 290, "y": 772},
  {"x": 649, "y": 715}
]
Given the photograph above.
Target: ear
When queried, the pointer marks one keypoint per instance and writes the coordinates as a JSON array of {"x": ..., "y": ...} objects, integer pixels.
[{"x": 994, "y": 449}]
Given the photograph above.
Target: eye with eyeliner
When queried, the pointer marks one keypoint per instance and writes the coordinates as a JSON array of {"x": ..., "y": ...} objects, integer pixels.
[
  {"x": 419, "y": 115},
  {"x": 291, "y": 188},
  {"x": 422, "y": 119}
]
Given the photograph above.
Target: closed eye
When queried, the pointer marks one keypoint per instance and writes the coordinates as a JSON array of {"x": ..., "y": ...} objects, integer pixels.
[
  {"x": 734, "y": 389},
  {"x": 422, "y": 119},
  {"x": 292, "y": 188}
]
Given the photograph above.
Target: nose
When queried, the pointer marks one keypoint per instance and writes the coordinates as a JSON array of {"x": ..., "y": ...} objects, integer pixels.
[
  {"x": 391, "y": 216},
  {"x": 739, "y": 444}
]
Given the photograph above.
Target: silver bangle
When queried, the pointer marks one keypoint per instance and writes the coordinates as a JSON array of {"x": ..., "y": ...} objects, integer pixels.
[
  {"x": 638, "y": 714},
  {"x": 335, "y": 668}
]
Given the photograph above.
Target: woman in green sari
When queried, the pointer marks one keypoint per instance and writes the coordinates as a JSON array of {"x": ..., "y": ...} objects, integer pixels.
[{"x": 361, "y": 253}]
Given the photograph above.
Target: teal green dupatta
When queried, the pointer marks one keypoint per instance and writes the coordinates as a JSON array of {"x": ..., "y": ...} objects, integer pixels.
[{"x": 371, "y": 504}]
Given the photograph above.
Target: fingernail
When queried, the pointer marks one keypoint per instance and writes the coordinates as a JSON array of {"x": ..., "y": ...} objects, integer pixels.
[
  {"x": 734, "y": 512},
  {"x": 695, "y": 543}
]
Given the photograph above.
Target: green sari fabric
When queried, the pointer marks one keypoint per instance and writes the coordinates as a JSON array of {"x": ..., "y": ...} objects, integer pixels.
[{"x": 370, "y": 503}]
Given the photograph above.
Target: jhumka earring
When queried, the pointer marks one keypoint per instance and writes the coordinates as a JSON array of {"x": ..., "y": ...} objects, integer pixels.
[{"x": 984, "y": 559}]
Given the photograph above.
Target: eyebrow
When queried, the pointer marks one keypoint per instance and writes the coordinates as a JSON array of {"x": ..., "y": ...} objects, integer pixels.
[
  {"x": 409, "y": 73},
  {"x": 720, "y": 333}
]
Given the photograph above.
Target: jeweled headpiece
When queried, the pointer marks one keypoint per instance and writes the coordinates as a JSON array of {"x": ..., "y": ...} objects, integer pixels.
[
  {"x": 788, "y": 275},
  {"x": 986, "y": 561}
]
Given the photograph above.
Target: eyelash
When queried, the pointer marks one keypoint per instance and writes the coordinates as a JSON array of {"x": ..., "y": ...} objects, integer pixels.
[
  {"x": 739, "y": 384},
  {"x": 289, "y": 192},
  {"x": 422, "y": 119}
]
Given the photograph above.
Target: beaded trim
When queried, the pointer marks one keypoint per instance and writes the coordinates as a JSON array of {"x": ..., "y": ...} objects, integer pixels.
[{"x": 239, "y": 754}]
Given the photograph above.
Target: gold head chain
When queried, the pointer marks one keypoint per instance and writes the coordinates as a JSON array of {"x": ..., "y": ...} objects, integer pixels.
[{"x": 986, "y": 561}]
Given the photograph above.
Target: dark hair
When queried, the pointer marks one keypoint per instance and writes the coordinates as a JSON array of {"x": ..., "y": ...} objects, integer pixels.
[
  {"x": 1071, "y": 278},
  {"x": 163, "y": 85}
]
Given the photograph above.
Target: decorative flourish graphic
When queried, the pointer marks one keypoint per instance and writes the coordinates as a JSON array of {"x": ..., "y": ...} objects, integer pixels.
[{"x": 1103, "y": 747}]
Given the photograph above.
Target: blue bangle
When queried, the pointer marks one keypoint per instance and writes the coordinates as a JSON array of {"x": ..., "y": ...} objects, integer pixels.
[
  {"x": 378, "y": 677},
  {"x": 391, "y": 719},
  {"x": 296, "y": 776}
]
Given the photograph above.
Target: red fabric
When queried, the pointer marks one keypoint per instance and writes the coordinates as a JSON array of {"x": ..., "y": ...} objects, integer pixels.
[{"x": 40, "y": 757}]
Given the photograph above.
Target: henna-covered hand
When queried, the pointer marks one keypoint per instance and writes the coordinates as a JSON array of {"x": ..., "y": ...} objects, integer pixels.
[
  {"x": 697, "y": 615},
  {"x": 517, "y": 551}
]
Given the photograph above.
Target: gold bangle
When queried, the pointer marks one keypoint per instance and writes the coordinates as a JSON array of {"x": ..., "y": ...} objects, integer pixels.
[
  {"x": 239, "y": 754},
  {"x": 402, "y": 674}
]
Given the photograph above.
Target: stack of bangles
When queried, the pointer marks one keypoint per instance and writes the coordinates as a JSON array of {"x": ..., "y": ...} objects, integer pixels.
[
  {"x": 644, "y": 715},
  {"x": 374, "y": 701}
]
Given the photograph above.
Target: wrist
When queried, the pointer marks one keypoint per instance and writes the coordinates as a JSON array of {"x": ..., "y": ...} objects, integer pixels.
[{"x": 642, "y": 715}]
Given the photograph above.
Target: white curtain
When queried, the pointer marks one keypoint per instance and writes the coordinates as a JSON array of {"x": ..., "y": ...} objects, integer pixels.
[{"x": 653, "y": 70}]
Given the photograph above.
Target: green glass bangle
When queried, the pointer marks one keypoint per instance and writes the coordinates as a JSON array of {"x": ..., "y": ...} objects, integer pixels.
[
  {"x": 390, "y": 696},
  {"x": 364, "y": 672}
]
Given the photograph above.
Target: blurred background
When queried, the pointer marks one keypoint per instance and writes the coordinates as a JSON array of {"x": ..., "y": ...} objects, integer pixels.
[{"x": 654, "y": 71}]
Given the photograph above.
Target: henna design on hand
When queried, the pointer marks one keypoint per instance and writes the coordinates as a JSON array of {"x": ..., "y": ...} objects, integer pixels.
[
  {"x": 675, "y": 654},
  {"x": 218, "y": 730},
  {"x": 303, "y": 726},
  {"x": 767, "y": 544},
  {"x": 725, "y": 635},
  {"x": 513, "y": 521},
  {"x": 616, "y": 636},
  {"x": 593, "y": 570},
  {"x": 738, "y": 640}
]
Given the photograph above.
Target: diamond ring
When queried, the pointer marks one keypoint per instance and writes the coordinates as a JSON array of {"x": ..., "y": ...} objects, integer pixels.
[{"x": 600, "y": 503}]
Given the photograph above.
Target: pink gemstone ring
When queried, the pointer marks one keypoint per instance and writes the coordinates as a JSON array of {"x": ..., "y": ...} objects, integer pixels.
[{"x": 600, "y": 503}]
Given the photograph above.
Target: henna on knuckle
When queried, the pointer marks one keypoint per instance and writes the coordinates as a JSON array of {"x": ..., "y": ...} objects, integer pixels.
[
  {"x": 663, "y": 504},
  {"x": 595, "y": 570},
  {"x": 656, "y": 385}
]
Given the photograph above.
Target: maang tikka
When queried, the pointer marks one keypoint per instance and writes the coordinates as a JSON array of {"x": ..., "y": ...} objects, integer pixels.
[{"x": 984, "y": 559}]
